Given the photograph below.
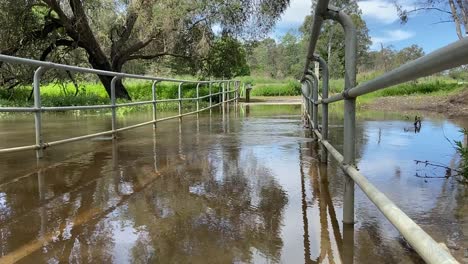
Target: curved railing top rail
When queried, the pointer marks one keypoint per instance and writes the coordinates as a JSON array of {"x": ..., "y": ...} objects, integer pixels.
[{"x": 52, "y": 65}]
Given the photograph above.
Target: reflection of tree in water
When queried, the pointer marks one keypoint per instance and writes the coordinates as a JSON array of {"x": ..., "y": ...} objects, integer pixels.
[
  {"x": 197, "y": 217},
  {"x": 29, "y": 216}
]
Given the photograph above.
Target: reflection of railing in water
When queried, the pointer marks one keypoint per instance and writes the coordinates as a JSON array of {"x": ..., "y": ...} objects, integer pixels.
[
  {"x": 224, "y": 93},
  {"x": 453, "y": 55},
  {"x": 318, "y": 176}
]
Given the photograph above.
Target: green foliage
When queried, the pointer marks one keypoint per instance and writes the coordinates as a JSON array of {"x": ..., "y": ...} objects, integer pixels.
[
  {"x": 463, "y": 152},
  {"x": 427, "y": 85},
  {"x": 418, "y": 88},
  {"x": 459, "y": 74},
  {"x": 388, "y": 58},
  {"x": 132, "y": 35},
  {"x": 227, "y": 58},
  {"x": 289, "y": 88},
  {"x": 94, "y": 94}
]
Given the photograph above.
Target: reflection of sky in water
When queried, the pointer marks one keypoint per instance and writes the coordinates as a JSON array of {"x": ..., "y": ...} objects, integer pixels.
[
  {"x": 124, "y": 237},
  {"x": 390, "y": 163}
]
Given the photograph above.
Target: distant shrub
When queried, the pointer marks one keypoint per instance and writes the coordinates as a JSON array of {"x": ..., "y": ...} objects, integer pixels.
[{"x": 290, "y": 88}]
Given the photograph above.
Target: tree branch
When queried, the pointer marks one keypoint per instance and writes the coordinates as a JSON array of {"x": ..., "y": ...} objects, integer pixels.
[
  {"x": 52, "y": 46},
  {"x": 130, "y": 21},
  {"x": 456, "y": 19},
  {"x": 56, "y": 7},
  {"x": 430, "y": 8},
  {"x": 153, "y": 56},
  {"x": 441, "y": 22}
]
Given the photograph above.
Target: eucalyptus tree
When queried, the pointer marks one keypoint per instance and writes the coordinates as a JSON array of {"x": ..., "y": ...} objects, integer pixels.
[
  {"x": 330, "y": 44},
  {"x": 454, "y": 11},
  {"x": 110, "y": 33}
]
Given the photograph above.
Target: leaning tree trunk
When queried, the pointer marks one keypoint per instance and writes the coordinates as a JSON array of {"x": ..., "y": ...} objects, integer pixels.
[{"x": 120, "y": 90}]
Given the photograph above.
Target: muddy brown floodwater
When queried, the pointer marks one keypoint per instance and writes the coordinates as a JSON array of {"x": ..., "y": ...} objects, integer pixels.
[{"x": 245, "y": 187}]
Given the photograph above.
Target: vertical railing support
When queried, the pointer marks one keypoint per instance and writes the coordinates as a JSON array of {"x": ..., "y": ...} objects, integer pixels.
[
  {"x": 325, "y": 78},
  {"x": 309, "y": 103},
  {"x": 228, "y": 91},
  {"x": 198, "y": 97},
  {"x": 237, "y": 90},
  {"x": 114, "y": 107},
  {"x": 349, "y": 108},
  {"x": 153, "y": 89},
  {"x": 314, "y": 100},
  {"x": 223, "y": 95},
  {"x": 247, "y": 93},
  {"x": 38, "y": 114},
  {"x": 210, "y": 93},
  {"x": 180, "y": 99}
]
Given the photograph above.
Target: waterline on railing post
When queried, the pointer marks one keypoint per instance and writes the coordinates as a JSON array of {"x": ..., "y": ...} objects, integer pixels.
[
  {"x": 153, "y": 89},
  {"x": 38, "y": 115},
  {"x": 113, "y": 103}
]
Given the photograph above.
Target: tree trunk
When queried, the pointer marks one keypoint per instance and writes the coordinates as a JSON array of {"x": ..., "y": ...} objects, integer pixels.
[
  {"x": 456, "y": 19},
  {"x": 120, "y": 91}
]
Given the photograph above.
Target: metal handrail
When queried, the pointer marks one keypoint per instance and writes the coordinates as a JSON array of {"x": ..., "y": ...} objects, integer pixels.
[
  {"x": 450, "y": 56},
  {"x": 37, "y": 109}
]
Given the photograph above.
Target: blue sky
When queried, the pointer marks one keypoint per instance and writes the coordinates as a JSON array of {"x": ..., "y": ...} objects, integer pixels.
[{"x": 383, "y": 23}]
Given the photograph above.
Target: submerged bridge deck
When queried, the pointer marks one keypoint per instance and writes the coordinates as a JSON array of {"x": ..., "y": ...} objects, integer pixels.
[{"x": 220, "y": 94}]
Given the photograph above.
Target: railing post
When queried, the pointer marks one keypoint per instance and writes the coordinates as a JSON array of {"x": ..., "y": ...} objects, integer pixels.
[
  {"x": 180, "y": 99},
  {"x": 38, "y": 114},
  {"x": 325, "y": 79},
  {"x": 310, "y": 104},
  {"x": 222, "y": 94},
  {"x": 198, "y": 99},
  {"x": 153, "y": 88},
  {"x": 228, "y": 91},
  {"x": 210, "y": 93},
  {"x": 314, "y": 100},
  {"x": 349, "y": 108},
  {"x": 113, "y": 103},
  {"x": 236, "y": 93}
]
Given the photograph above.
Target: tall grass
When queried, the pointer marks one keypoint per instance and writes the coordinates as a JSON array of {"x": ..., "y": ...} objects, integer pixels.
[
  {"x": 95, "y": 94},
  {"x": 263, "y": 86}
]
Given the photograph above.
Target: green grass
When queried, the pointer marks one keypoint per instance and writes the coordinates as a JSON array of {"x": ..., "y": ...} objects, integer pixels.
[
  {"x": 263, "y": 86},
  {"x": 434, "y": 85},
  {"x": 95, "y": 94}
]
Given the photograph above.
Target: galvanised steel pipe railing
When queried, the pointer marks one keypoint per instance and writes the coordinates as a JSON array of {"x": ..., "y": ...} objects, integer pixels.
[
  {"x": 453, "y": 55},
  {"x": 37, "y": 109},
  {"x": 325, "y": 80}
]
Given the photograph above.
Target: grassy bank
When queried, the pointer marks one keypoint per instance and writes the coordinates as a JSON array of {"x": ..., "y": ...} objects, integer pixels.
[
  {"x": 272, "y": 87},
  {"x": 95, "y": 94},
  {"x": 434, "y": 85}
]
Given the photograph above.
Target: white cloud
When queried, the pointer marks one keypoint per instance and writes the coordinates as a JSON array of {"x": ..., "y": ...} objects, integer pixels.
[
  {"x": 391, "y": 36},
  {"x": 383, "y": 11},
  {"x": 295, "y": 13}
]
